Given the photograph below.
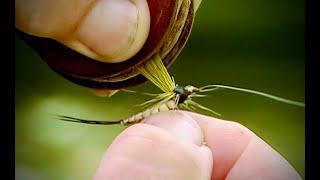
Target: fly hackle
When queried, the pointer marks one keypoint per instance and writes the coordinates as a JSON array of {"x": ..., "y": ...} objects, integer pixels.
[
  {"x": 141, "y": 93},
  {"x": 194, "y": 106}
]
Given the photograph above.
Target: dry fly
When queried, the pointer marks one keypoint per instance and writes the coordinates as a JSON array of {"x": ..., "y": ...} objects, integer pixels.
[{"x": 173, "y": 97}]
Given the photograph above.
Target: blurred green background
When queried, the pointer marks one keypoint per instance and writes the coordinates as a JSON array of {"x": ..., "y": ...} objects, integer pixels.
[{"x": 257, "y": 44}]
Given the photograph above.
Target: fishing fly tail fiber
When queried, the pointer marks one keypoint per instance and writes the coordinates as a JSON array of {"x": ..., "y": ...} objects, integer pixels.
[{"x": 85, "y": 121}]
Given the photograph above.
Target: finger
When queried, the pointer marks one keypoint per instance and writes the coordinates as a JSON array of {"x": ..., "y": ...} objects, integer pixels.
[
  {"x": 240, "y": 154},
  {"x": 184, "y": 129},
  {"x": 179, "y": 125},
  {"x": 166, "y": 146},
  {"x": 259, "y": 160},
  {"x": 106, "y": 30}
]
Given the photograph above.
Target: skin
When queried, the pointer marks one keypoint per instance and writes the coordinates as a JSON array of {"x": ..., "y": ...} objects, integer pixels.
[
  {"x": 107, "y": 30},
  {"x": 167, "y": 145},
  {"x": 170, "y": 145}
]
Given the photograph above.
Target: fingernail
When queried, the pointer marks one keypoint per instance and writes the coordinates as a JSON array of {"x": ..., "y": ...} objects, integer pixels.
[{"x": 179, "y": 125}]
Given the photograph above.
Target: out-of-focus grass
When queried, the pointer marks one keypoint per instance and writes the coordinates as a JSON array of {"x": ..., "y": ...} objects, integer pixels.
[{"x": 252, "y": 44}]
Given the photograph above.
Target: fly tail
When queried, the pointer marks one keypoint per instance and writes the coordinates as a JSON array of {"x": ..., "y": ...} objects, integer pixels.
[
  {"x": 277, "y": 98},
  {"x": 86, "y": 121}
]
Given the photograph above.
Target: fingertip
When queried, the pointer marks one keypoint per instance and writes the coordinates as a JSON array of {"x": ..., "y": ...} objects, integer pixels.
[
  {"x": 260, "y": 160},
  {"x": 144, "y": 150},
  {"x": 113, "y": 31},
  {"x": 226, "y": 139},
  {"x": 207, "y": 161},
  {"x": 180, "y": 125},
  {"x": 207, "y": 154}
]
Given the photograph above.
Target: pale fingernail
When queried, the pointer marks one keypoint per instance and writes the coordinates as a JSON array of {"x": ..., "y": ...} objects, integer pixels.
[{"x": 179, "y": 125}]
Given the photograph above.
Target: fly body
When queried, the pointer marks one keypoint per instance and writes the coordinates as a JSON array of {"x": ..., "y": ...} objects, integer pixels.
[{"x": 178, "y": 97}]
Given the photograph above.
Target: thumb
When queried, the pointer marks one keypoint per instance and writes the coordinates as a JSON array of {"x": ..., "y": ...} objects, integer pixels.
[
  {"x": 186, "y": 130},
  {"x": 168, "y": 145},
  {"x": 106, "y": 30}
]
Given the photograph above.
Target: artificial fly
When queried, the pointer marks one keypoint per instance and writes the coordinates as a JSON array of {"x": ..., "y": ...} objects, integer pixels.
[{"x": 174, "y": 96}]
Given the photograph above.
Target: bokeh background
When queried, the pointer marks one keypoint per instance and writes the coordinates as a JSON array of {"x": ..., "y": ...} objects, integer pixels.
[{"x": 257, "y": 44}]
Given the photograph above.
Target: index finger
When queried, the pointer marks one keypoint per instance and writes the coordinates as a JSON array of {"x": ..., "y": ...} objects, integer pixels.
[{"x": 240, "y": 154}]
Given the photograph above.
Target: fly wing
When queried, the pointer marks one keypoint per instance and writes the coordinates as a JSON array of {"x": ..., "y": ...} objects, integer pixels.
[{"x": 155, "y": 71}]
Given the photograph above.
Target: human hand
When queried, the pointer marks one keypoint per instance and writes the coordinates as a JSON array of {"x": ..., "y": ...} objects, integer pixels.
[
  {"x": 109, "y": 31},
  {"x": 169, "y": 145}
]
